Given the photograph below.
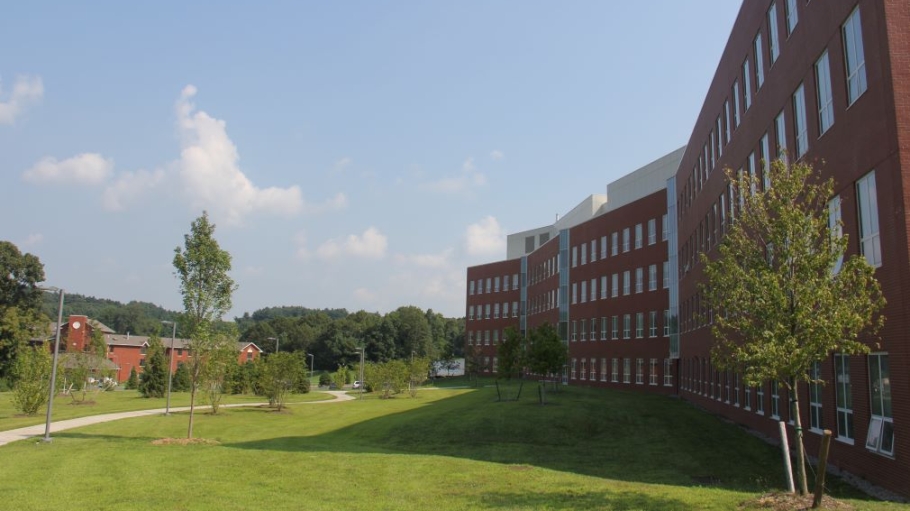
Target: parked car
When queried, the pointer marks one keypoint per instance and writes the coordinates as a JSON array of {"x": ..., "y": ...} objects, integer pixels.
[{"x": 356, "y": 385}]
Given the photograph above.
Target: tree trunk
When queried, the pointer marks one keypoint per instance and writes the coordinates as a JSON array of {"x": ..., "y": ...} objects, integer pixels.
[
  {"x": 189, "y": 433},
  {"x": 800, "y": 450}
]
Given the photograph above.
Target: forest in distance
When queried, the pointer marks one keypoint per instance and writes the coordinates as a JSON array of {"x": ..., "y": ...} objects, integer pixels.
[{"x": 332, "y": 336}]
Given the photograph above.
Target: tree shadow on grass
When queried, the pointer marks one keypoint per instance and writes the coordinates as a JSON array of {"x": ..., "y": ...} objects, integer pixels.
[{"x": 616, "y": 435}]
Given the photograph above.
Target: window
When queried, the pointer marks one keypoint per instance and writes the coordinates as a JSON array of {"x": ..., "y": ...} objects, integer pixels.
[
  {"x": 584, "y": 291},
  {"x": 584, "y": 253},
  {"x": 486, "y": 311},
  {"x": 584, "y": 365},
  {"x": 471, "y": 287},
  {"x": 470, "y": 312},
  {"x": 867, "y": 205},
  {"x": 652, "y": 325},
  {"x": 792, "y": 16},
  {"x": 652, "y": 277},
  {"x": 486, "y": 337},
  {"x": 603, "y": 287},
  {"x": 615, "y": 330},
  {"x": 626, "y": 370},
  {"x": 799, "y": 121},
  {"x": 815, "y": 397},
  {"x": 574, "y": 330},
  {"x": 603, "y": 247},
  {"x": 736, "y": 389},
  {"x": 603, "y": 328},
  {"x": 639, "y": 371},
  {"x": 603, "y": 369},
  {"x": 765, "y": 161},
  {"x": 574, "y": 365},
  {"x": 614, "y": 244},
  {"x": 495, "y": 337},
  {"x": 773, "y": 48},
  {"x": 668, "y": 373},
  {"x": 614, "y": 376},
  {"x": 667, "y": 272},
  {"x": 574, "y": 292},
  {"x": 615, "y": 285},
  {"x": 835, "y": 229},
  {"x": 760, "y": 400},
  {"x": 825, "y": 98},
  {"x": 594, "y": 250},
  {"x": 759, "y": 62},
  {"x": 626, "y": 282},
  {"x": 514, "y": 309},
  {"x": 593, "y": 369},
  {"x": 664, "y": 227},
  {"x": 625, "y": 240},
  {"x": 728, "y": 123},
  {"x": 652, "y": 231},
  {"x": 638, "y": 235},
  {"x": 880, "y": 437},
  {"x": 489, "y": 286},
  {"x": 775, "y": 400},
  {"x": 515, "y": 281},
  {"x": 781, "y": 129},
  {"x": 574, "y": 257},
  {"x": 496, "y": 284},
  {"x": 736, "y": 103},
  {"x": 505, "y": 309},
  {"x": 747, "y": 85},
  {"x": 666, "y": 322},
  {"x": 639, "y": 280},
  {"x": 843, "y": 388},
  {"x": 854, "y": 57},
  {"x": 581, "y": 324},
  {"x": 626, "y": 326},
  {"x": 496, "y": 311},
  {"x": 748, "y": 400},
  {"x": 639, "y": 325},
  {"x": 593, "y": 329}
]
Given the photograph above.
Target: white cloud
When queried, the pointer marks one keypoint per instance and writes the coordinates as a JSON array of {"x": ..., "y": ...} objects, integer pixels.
[
  {"x": 254, "y": 271},
  {"x": 85, "y": 168},
  {"x": 364, "y": 295},
  {"x": 26, "y": 90},
  {"x": 336, "y": 203},
  {"x": 300, "y": 241},
  {"x": 32, "y": 240},
  {"x": 342, "y": 164},
  {"x": 436, "y": 261},
  {"x": 130, "y": 187},
  {"x": 371, "y": 244},
  {"x": 496, "y": 154},
  {"x": 485, "y": 237},
  {"x": 210, "y": 172},
  {"x": 467, "y": 179}
]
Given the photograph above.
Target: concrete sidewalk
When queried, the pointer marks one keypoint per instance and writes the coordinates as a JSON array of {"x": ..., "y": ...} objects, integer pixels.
[{"x": 14, "y": 435}]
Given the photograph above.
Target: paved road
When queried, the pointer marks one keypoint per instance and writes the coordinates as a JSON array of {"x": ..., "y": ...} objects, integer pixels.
[{"x": 14, "y": 435}]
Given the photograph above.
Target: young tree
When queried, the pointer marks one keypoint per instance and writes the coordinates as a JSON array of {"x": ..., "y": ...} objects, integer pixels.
[
  {"x": 510, "y": 354},
  {"x": 202, "y": 267},
  {"x": 133, "y": 381},
  {"x": 153, "y": 382},
  {"x": 473, "y": 363},
  {"x": 547, "y": 353},
  {"x": 418, "y": 369},
  {"x": 20, "y": 302},
  {"x": 279, "y": 375},
  {"x": 781, "y": 293},
  {"x": 181, "y": 381},
  {"x": 32, "y": 372},
  {"x": 221, "y": 358}
]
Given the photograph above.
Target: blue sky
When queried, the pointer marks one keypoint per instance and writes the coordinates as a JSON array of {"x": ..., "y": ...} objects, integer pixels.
[{"x": 352, "y": 154}]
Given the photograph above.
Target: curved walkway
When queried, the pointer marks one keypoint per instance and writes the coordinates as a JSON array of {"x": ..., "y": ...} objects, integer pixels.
[{"x": 14, "y": 435}]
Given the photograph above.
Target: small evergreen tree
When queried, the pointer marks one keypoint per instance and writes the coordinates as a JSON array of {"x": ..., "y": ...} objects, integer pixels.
[
  {"x": 181, "y": 381},
  {"x": 32, "y": 372},
  {"x": 153, "y": 382},
  {"x": 133, "y": 381}
]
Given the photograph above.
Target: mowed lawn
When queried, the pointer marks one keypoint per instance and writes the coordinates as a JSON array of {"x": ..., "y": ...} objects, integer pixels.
[
  {"x": 117, "y": 401},
  {"x": 446, "y": 449}
]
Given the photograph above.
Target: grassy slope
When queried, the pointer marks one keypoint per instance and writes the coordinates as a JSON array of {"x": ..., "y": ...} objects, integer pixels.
[{"x": 447, "y": 449}]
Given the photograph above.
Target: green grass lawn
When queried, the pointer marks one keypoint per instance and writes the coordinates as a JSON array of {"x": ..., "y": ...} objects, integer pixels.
[
  {"x": 446, "y": 449},
  {"x": 116, "y": 401}
]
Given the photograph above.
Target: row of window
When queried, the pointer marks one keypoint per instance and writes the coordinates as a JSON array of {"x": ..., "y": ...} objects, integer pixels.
[
  {"x": 627, "y": 284},
  {"x": 493, "y": 284},
  {"x": 697, "y": 377},
  {"x": 586, "y": 370},
  {"x": 493, "y": 311},
  {"x": 721, "y": 134},
  {"x": 614, "y": 245},
  {"x": 611, "y": 326}
]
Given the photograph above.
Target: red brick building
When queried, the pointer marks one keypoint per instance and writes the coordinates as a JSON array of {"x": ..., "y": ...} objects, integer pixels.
[{"x": 827, "y": 83}]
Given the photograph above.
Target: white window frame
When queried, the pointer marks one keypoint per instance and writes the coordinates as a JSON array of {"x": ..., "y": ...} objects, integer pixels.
[
  {"x": 627, "y": 326},
  {"x": 736, "y": 118},
  {"x": 668, "y": 373},
  {"x": 652, "y": 324},
  {"x": 652, "y": 231},
  {"x": 799, "y": 121},
  {"x": 614, "y": 245},
  {"x": 639, "y": 279},
  {"x": 773, "y": 39},
  {"x": 639, "y": 325},
  {"x": 854, "y": 57},
  {"x": 867, "y": 208},
  {"x": 652, "y": 277},
  {"x": 825, "y": 96},
  {"x": 666, "y": 322},
  {"x": 604, "y": 288},
  {"x": 639, "y": 371},
  {"x": 780, "y": 130},
  {"x": 625, "y": 240},
  {"x": 747, "y": 85},
  {"x": 614, "y": 332},
  {"x": 639, "y": 236},
  {"x": 843, "y": 390},
  {"x": 614, "y": 374},
  {"x": 759, "y": 62},
  {"x": 880, "y": 436},
  {"x": 792, "y": 16},
  {"x": 815, "y": 398},
  {"x": 626, "y": 282},
  {"x": 626, "y": 370}
]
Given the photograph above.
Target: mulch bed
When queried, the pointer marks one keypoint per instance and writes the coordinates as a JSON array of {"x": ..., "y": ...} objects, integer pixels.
[
  {"x": 793, "y": 502},
  {"x": 185, "y": 441}
]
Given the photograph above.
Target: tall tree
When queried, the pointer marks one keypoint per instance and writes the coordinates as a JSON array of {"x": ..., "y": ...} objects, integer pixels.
[
  {"x": 20, "y": 301},
  {"x": 202, "y": 267},
  {"x": 781, "y": 294},
  {"x": 547, "y": 353},
  {"x": 510, "y": 354}
]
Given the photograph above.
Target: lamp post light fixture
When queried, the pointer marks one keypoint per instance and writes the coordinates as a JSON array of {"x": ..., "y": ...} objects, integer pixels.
[
  {"x": 362, "y": 353},
  {"x": 170, "y": 366},
  {"x": 52, "y": 390}
]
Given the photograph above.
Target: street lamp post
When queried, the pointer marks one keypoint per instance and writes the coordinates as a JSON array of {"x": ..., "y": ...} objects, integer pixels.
[
  {"x": 362, "y": 353},
  {"x": 276, "y": 342},
  {"x": 51, "y": 391},
  {"x": 312, "y": 363},
  {"x": 170, "y": 366}
]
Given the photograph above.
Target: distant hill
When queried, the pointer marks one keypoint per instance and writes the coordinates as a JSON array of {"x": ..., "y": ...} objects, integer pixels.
[{"x": 139, "y": 318}]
